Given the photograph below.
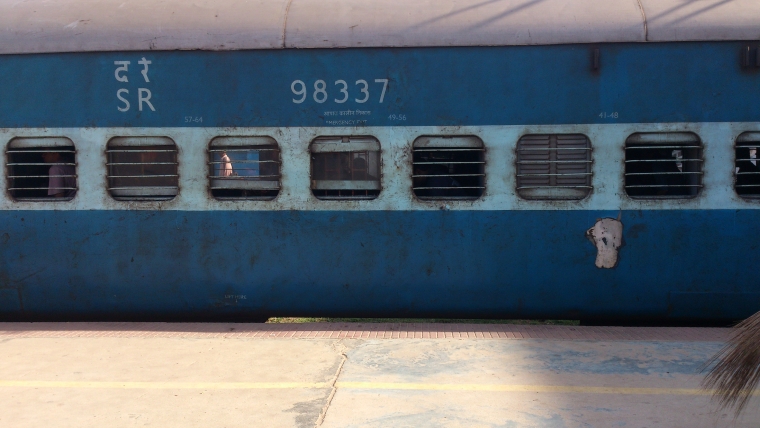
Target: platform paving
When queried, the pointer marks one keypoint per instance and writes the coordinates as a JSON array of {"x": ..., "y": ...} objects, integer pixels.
[{"x": 357, "y": 375}]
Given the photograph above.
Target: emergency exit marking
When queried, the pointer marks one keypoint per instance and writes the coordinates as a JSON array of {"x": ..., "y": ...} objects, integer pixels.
[
  {"x": 121, "y": 73},
  {"x": 320, "y": 95}
]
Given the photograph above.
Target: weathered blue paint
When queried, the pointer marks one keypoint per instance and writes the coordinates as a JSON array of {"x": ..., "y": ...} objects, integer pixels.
[
  {"x": 653, "y": 82},
  {"x": 179, "y": 264}
]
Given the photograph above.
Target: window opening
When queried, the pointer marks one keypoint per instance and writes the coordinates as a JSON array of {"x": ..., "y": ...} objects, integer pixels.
[
  {"x": 448, "y": 167},
  {"x": 41, "y": 169},
  {"x": 554, "y": 167},
  {"x": 747, "y": 168},
  {"x": 345, "y": 167},
  {"x": 142, "y": 168},
  {"x": 244, "y": 168},
  {"x": 663, "y": 165}
]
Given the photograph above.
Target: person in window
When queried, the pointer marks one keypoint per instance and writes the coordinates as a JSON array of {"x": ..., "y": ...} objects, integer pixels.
[
  {"x": 62, "y": 181},
  {"x": 226, "y": 166},
  {"x": 747, "y": 170},
  {"x": 360, "y": 171},
  {"x": 668, "y": 178}
]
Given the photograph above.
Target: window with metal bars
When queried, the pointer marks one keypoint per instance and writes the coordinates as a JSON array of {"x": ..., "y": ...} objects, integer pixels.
[
  {"x": 244, "y": 168},
  {"x": 448, "y": 167},
  {"x": 41, "y": 169},
  {"x": 345, "y": 167},
  {"x": 142, "y": 168},
  {"x": 663, "y": 165},
  {"x": 554, "y": 167},
  {"x": 747, "y": 169}
]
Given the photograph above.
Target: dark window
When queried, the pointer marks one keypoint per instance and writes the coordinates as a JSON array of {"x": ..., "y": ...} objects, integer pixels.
[
  {"x": 554, "y": 166},
  {"x": 41, "y": 169},
  {"x": 748, "y": 165},
  {"x": 448, "y": 167},
  {"x": 663, "y": 165},
  {"x": 142, "y": 168},
  {"x": 244, "y": 168},
  {"x": 345, "y": 167}
]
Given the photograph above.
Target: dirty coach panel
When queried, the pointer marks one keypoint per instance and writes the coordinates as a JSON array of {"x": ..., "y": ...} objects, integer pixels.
[{"x": 573, "y": 181}]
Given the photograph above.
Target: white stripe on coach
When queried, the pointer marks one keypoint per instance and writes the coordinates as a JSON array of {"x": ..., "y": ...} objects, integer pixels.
[{"x": 607, "y": 142}]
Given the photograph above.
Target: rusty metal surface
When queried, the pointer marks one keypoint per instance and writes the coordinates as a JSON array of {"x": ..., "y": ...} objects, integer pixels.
[{"x": 245, "y": 265}]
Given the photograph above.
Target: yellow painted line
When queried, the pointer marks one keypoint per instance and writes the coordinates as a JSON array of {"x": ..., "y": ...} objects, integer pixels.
[
  {"x": 565, "y": 389},
  {"x": 562, "y": 389}
]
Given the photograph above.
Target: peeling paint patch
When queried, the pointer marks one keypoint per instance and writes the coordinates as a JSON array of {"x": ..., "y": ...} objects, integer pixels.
[{"x": 607, "y": 236}]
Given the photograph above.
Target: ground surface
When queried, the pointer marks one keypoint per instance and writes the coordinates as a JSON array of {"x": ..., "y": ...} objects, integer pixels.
[{"x": 356, "y": 375}]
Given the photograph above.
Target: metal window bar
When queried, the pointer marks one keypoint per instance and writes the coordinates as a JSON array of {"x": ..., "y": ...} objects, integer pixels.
[
  {"x": 31, "y": 176},
  {"x": 450, "y": 163},
  {"x": 554, "y": 167},
  {"x": 551, "y": 161},
  {"x": 672, "y": 159},
  {"x": 447, "y": 171},
  {"x": 547, "y": 149},
  {"x": 251, "y": 172},
  {"x": 649, "y": 147},
  {"x": 449, "y": 149},
  {"x": 662, "y": 166},
  {"x": 145, "y": 171},
  {"x": 39, "y": 163},
  {"x": 556, "y": 187},
  {"x": 450, "y": 175},
  {"x": 747, "y": 165},
  {"x": 662, "y": 186}
]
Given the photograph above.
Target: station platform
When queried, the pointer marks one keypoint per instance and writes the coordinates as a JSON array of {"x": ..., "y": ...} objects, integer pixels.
[{"x": 358, "y": 375}]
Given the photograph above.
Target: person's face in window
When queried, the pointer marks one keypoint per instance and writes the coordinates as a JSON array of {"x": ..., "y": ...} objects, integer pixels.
[{"x": 51, "y": 157}]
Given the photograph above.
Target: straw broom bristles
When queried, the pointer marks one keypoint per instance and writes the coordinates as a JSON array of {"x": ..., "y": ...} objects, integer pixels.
[{"x": 737, "y": 366}]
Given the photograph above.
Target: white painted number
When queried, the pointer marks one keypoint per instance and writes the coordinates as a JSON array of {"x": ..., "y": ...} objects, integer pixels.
[
  {"x": 364, "y": 90},
  {"x": 319, "y": 88},
  {"x": 385, "y": 86},
  {"x": 320, "y": 94},
  {"x": 344, "y": 91},
  {"x": 301, "y": 91}
]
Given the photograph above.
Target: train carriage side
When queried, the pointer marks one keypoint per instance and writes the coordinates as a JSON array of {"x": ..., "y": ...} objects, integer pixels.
[{"x": 577, "y": 160}]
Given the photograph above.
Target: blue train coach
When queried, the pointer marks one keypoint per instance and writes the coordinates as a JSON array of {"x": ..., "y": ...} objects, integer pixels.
[{"x": 235, "y": 160}]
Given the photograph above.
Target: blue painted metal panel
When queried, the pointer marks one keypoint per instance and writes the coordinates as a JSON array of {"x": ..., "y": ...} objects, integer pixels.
[
  {"x": 174, "y": 264},
  {"x": 658, "y": 82}
]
